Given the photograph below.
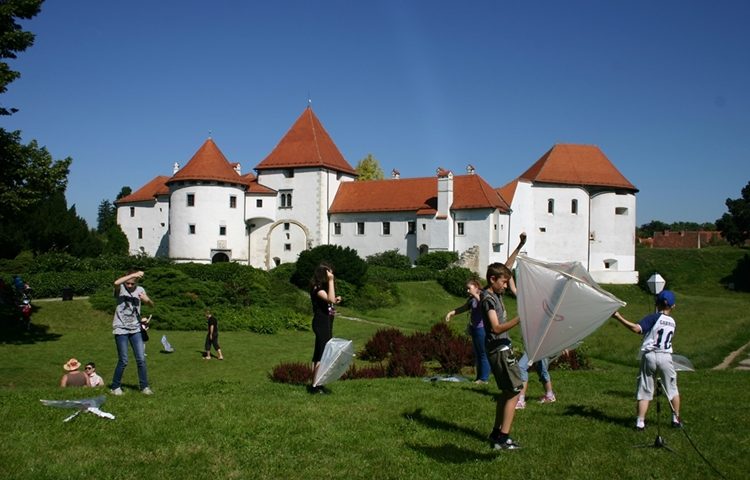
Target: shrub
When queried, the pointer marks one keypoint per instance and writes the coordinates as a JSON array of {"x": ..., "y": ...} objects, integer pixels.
[
  {"x": 454, "y": 279},
  {"x": 383, "y": 343},
  {"x": 375, "y": 294},
  {"x": 414, "y": 274},
  {"x": 572, "y": 360},
  {"x": 389, "y": 259},
  {"x": 345, "y": 262},
  {"x": 405, "y": 363},
  {"x": 294, "y": 373},
  {"x": 437, "y": 260},
  {"x": 454, "y": 353},
  {"x": 740, "y": 276},
  {"x": 424, "y": 344},
  {"x": 369, "y": 371}
]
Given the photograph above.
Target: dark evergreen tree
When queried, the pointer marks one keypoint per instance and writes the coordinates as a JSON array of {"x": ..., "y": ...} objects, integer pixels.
[{"x": 735, "y": 225}]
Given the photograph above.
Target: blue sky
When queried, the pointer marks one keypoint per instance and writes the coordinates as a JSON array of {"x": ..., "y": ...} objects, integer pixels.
[{"x": 662, "y": 87}]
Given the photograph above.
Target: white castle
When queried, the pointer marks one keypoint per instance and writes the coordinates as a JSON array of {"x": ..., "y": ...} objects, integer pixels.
[{"x": 573, "y": 204}]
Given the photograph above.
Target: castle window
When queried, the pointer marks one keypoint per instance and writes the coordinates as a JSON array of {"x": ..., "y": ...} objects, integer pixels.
[
  {"x": 411, "y": 228},
  {"x": 551, "y": 206},
  {"x": 132, "y": 211},
  {"x": 222, "y": 230},
  {"x": 140, "y": 232},
  {"x": 386, "y": 228},
  {"x": 288, "y": 247},
  {"x": 232, "y": 201},
  {"x": 286, "y": 226},
  {"x": 286, "y": 199},
  {"x": 460, "y": 228},
  {"x": 360, "y": 228},
  {"x": 259, "y": 203},
  {"x": 337, "y": 228},
  {"x": 621, "y": 210},
  {"x": 190, "y": 199},
  {"x": 574, "y": 206},
  {"x": 289, "y": 173},
  {"x": 191, "y": 229}
]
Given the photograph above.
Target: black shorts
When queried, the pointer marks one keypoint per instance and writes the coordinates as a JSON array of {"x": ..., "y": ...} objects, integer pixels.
[{"x": 505, "y": 370}]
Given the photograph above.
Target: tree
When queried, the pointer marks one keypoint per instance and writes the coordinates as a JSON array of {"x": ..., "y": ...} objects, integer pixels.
[
  {"x": 13, "y": 39},
  {"x": 369, "y": 169},
  {"x": 28, "y": 171},
  {"x": 106, "y": 216},
  {"x": 735, "y": 225}
]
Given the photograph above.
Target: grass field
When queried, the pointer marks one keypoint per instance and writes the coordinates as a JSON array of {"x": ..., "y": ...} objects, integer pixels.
[{"x": 226, "y": 419}]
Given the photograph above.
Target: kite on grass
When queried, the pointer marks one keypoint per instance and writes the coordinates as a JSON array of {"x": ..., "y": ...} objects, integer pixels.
[
  {"x": 559, "y": 305},
  {"x": 165, "y": 343},
  {"x": 90, "y": 405},
  {"x": 337, "y": 355}
]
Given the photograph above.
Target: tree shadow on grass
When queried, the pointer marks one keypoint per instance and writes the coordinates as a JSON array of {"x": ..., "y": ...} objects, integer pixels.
[
  {"x": 447, "y": 453},
  {"x": 14, "y": 333}
]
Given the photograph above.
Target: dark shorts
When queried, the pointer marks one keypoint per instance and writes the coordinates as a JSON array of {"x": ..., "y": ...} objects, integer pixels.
[{"x": 505, "y": 370}]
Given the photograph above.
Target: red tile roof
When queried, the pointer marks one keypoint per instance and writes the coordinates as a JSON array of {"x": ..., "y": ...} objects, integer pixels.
[
  {"x": 414, "y": 194},
  {"x": 254, "y": 187},
  {"x": 154, "y": 188},
  {"x": 208, "y": 163},
  {"x": 306, "y": 144},
  {"x": 577, "y": 165},
  {"x": 508, "y": 191}
]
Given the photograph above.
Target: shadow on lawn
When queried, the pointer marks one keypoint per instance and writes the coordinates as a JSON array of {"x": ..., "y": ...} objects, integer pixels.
[
  {"x": 447, "y": 453},
  {"x": 595, "y": 414},
  {"x": 15, "y": 334}
]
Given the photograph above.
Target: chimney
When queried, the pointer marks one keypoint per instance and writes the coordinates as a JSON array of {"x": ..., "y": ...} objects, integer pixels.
[
  {"x": 238, "y": 168},
  {"x": 445, "y": 192},
  {"x": 395, "y": 174},
  {"x": 470, "y": 169},
  {"x": 175, "y": 168}
]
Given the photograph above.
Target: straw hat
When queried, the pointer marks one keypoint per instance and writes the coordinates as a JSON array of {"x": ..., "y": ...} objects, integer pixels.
[{"x": 72, "y": 364}]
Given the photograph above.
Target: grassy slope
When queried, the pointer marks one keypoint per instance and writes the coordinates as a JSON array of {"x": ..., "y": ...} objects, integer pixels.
[{"x": 212, "y": 419}]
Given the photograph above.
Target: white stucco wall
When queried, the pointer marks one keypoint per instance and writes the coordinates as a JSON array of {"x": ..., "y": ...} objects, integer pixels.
[
  {"x": 152, "y": 217},
  {"x": 210, "y": 212},
  {"x": 374, "y": 240},
  {"x": 613, "y": 223}
]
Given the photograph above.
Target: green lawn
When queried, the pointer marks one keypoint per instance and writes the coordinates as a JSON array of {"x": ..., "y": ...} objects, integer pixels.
[{"x": 226, "y": 419}]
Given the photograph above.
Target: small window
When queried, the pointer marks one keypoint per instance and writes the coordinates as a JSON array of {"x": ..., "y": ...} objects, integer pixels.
[
  {"x": 259, "y": 203},
  {"x": 460, "y": 228},
  {"x": 190, "y": 199},
  {"x": 191, "y": 229},
  {"x": 132, "y": 211},
  {"x": 222, "y": 230},
  {"x": 232, "y": 202},
  {"x": 386, "y": 228},
  {"x": 621, "y": 211},
  {"x": 337, "y": 228},
  {"x": 288, "y": 247},
  {"x": 286, "y": 226},
  {"x": 550, "y": 206},
  {"x": 140, "y": 232},
  {"x": 286, "y": 199},
  {"x": 360, "y": 228},
  {"x": 424, "y": 226},
  {"x": 289, "y": 173},
  {"x": 574, "y": 206},
  {"x": 411, "y": 227},
  {"x": 542, "y": 229}
]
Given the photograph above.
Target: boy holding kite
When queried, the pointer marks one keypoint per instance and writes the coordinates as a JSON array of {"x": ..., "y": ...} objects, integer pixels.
[{"x": 503, "y": 362}]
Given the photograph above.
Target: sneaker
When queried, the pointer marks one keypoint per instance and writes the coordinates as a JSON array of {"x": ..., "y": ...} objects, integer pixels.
[
  {"x": 116, "y": 391},
  {"x": 548, "y": 399},
  {"x": 147, "y": 391},
  {"x": 676, "y": 422},
  {"x": 521, "y": 403},
  {"x": 640, "y": 427},
  {"x": 508, "y": 444},
  {"x": 480, "y": 382}
]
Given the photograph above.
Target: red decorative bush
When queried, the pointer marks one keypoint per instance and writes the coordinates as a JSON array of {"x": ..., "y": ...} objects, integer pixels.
[
  {"x": 382, "y": 344},
  {"x": 294, "y": 373},
  {"x": 405, "y": 363},
  {"x": 453, "y": 354},
  {"x": 370, "y": 371}
]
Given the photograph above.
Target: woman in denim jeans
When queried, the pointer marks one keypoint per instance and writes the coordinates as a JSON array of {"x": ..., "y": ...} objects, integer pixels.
[
  {"x": 126, "y": 327},
  {"x": 475, "y": 329}
]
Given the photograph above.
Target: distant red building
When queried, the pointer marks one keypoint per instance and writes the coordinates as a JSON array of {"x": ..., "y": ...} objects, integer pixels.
[{"x": 684, "y": 239}]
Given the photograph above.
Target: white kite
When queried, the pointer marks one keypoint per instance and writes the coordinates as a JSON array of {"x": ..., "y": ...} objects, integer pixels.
[
  {"x": 335, "y": 360},
  {"x": 90, "y": 405},
  {"x": 559, "y": 305}
]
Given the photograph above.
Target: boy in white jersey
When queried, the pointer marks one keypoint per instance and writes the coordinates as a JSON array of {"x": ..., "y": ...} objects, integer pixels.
[{"x": 656, "y": 357}]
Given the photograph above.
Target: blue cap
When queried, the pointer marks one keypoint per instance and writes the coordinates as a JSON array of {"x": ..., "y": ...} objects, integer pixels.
[{"x": 666, "y": 297}]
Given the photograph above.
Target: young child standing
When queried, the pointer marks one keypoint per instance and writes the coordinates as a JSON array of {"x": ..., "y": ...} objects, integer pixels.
[
  {"x": 500, "y": 354},
  {"x": 476, "y": 329},
  {"x": 656, "y": 357}
]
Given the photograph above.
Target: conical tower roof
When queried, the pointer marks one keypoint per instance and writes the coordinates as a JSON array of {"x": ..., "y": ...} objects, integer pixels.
[
  {"x": 208, "y": 163},
  {"x": 306, "y": 144}
]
